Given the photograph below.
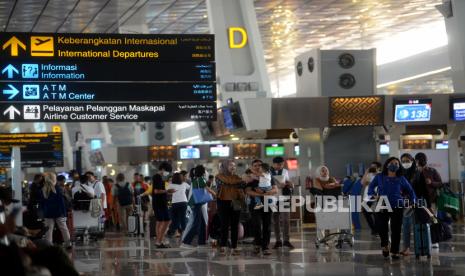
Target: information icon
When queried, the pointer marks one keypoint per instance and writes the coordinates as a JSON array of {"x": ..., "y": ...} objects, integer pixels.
[
  {"x": 31, "y": 92},
  {"x": 31, "y": 112},
  {"x": 30, "y": 71}
]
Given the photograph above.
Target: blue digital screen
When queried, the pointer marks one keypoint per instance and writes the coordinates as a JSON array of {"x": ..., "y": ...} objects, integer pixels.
[
  {"x": 442, "y": 145},
  {"x": 413, "y": 111},
  {"x": 384, "y": 149},
  {"x": 458, "y": 111},
  {"x": 189, "y": 153},
  {"x": 95, "y": 144},
  {"x": 228, "y": 121}
]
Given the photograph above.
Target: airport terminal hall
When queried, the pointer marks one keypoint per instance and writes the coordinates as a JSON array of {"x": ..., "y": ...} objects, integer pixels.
[{"x": 232, "y": 137}]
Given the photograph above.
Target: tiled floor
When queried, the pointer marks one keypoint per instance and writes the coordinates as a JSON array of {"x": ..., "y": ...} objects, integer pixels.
[{"x": 117, "y": 255}]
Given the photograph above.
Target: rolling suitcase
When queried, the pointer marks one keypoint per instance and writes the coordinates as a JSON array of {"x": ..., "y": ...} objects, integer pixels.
[
  {"x": 422, "y": 237},
  {"x": 133, "y": 224},
  {"x": 152, "y": 226}
]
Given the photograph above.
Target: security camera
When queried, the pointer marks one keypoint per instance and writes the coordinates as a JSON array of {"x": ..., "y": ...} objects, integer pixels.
[{"x": 293, "y": 136}]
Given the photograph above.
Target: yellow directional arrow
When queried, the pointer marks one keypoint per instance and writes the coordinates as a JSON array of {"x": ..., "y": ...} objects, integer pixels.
[{"x": 14, "y": 43}]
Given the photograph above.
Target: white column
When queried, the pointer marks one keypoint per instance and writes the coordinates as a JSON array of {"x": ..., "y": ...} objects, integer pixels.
[
  {"x": 454, "y": 17},
  {"x": 244, "y": 66},
  {"x": 16, "y": 181}
]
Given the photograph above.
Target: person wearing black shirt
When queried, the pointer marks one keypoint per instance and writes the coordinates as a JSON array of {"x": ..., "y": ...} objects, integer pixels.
[{"x": 160, "y": 207}]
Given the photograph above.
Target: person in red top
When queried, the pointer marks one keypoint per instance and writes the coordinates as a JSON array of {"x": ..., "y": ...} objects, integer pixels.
[
  {"x": 111, "y": 214},
  {"x": 140, "y": 187}
]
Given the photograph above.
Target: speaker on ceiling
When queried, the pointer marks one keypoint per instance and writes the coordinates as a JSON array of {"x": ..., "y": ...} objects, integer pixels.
[{"x": 336, "y": 73}]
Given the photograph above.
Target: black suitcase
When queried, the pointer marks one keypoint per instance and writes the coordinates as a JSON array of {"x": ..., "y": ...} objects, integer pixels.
[{"x": 152, "y": 226}]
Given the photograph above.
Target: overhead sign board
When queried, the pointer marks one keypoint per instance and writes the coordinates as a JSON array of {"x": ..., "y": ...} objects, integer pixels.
[
  {"x": 99, "y": 91},
  {"x": 143, "y": 77},
  {"x": 37, "y": 149},
  {"x": 108, "y": 112},
  {"x": 125, "y": 47},
  {"x": 50, "y": 70}
]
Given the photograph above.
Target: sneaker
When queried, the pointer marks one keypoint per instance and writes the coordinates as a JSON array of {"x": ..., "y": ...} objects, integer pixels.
[
  {"x": 435, "y": 245},
  {"x": 256, "y": 250},
  {"x": 222, "y": 250},
  {"x": 186, "y": 246},
  {"x": 266, "y": 252},
  {"x": 385, "y": 251},
  {"x": 406, "y": 252},
  {"x": 160, "y": 246},
  {"x": 277, "y": 245},
  {"x": 258, "y": 206},
  {"x": 288, "y": 244}
]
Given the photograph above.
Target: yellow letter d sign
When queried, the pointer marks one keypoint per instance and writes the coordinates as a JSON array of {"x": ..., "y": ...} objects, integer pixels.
[{"x": 232, "y": 43}]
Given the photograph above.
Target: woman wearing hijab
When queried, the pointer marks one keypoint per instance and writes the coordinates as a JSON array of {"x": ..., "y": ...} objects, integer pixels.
[
  {"x": 229, "y": 192},
  {"x": 393, "y": 187},
  {"x": 324, "y": 184}
]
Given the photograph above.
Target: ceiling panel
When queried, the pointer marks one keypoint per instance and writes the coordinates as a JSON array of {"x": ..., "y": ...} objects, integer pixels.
[
  {"x": 287, "y": 27},
  {"x": 54, "y": 15},
  {"x": 6, "y": 7},
  {"x": 25, "y": 15},
  {"x": 84, "y": 12}
]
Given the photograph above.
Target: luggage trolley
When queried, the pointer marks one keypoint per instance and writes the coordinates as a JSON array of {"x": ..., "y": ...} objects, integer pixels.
[
  {"x": 330, "y": 220},
  {"x": 86, "y": 226}
]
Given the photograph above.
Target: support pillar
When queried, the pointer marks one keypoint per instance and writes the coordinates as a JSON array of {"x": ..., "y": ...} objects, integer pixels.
[
  {"x": 454, "y": 17},
  {"x": 394, "y": 142},
  {"x": 311, "y": 151},
  {"x": 16, "y": 182},
  {"x": 240, "y": 63}
]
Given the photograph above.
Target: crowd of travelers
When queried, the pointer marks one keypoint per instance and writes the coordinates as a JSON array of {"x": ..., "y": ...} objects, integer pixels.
[{"x": 189, "y": 209}]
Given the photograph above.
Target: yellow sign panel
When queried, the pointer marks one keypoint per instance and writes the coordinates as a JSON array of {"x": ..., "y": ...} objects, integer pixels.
[
  {"x": 242, "y": 32},
  {"x": 42, "y": 46},
  {"x": 56, "y": 129},
  {"x": 14, "y": 43}
]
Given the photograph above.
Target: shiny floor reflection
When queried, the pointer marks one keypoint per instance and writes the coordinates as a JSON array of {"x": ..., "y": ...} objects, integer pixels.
[{"x": 118, "y": 255}]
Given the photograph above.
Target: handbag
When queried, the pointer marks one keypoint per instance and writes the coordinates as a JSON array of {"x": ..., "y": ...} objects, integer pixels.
[
  {"x": 238, "y": 204},
  {"x": 422, "y": 215},
  {"x": 440, "y": 231},
  {"x": 201, "y": 195},
  {"x": 448, "y": 201}
]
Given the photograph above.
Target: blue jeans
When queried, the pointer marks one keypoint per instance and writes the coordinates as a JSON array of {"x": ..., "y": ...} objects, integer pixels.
[
  {"x": 178, "y": 217},
  {"x": 258, "y": 199},
  {"x": 196, "y": 226},
  {"x": 407, "y": 222}
]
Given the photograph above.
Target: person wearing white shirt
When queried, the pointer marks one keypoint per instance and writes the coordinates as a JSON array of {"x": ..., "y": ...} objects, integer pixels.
[
  {"x": 285, "y": 186},
  {"x": 82, "y": 186},
  {"x": 179, "y": 204},
  {"x": 98, "y": 187}
]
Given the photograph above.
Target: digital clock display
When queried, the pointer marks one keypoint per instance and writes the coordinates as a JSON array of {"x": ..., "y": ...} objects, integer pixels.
[{"x": 418, "y": 110}]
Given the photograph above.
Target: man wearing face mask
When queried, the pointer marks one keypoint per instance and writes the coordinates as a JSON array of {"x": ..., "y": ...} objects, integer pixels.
[
  {"x": 165, "y": 169},
  {"x": 429, "y": 178},
  {"x": 371, "y": 172}
]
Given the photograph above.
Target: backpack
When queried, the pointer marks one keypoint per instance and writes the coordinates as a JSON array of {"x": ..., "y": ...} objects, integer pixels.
[
  {"x": 81, "y": 200},
  {"x": 124, "y": 195},
  {"x": 95, "y": 208}
]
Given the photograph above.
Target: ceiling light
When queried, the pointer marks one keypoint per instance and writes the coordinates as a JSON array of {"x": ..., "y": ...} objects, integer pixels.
[{"x": 430, "y": 73}]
